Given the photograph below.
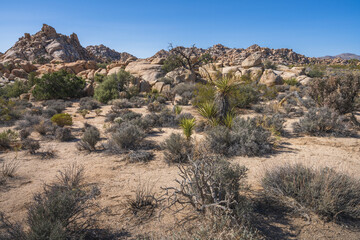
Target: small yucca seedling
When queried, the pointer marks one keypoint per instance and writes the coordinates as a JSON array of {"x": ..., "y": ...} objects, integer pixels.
[
  {"x": 208, "y": 110},
  {"x": 177, "y": 109},
  {"x": 188, "y": 124},
  {"x": 84, "y": 112},
  {"x": 228, "y": 120},
  {"x": 98, "y": 112}
]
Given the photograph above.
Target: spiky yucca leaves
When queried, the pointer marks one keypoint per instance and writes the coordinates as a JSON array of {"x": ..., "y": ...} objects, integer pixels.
[
  {"x": 208, "y": 111},
  {"x": 224, "y": 88},
  {"x": 177, "y": 109},
  {"x": 228, "y": 120},
  {"x": 187, "y": 124}
]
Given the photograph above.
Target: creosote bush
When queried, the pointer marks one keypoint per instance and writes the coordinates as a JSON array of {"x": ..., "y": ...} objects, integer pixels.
[
  {"x": 62, "y": 119},
  {"x": 333, "y": 195},
  {"x": 177, "y": 149},
  {"x": 322, "y": 122},
  {"x": 126, "y": 137}
]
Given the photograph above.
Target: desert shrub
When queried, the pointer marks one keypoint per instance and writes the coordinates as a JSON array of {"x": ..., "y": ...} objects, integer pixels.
[
  {"x": 98, "y": 112},
  {"x": 41, "y": 128},
  {"x": 177, "y": 149},
  {"x": 332, "y": 195},
  {"x": 139, "y": 156},
  {"x": 57, "y": 105},
  {"x": 182, "y": 116},
  {"x": 28, "y": 121},
  {"x": 155, "y": 107},
  {"x": 14, "y": 90},
  {"x": 58, "y": 85},
  {"x": 144, "y": 203},
  {"x": 84, "y": 112},
  {"x": 185, "y": 90},
  {"x": 314, "y": 72},
  {"x": 11, "y": 110},
  {"x": 126, "y": 137},
  {"x": 203, "y": 93},
  {"x": 64, "y": 210},
  {"x": 269, "y": 65},
  {"x": 245, "y": 138},
  {"x": 31, "y": 145},
  {"x": 7, "y": 139},
  {"x": 63, "y": 134},
  {"x": 9, "y": 168},
  {"x": 89, "y": 139},
  {"x": 121, "y": 104},
  {"x": 111, "y": 86},
  {"x": 322, "y": 122},
  {"x": 244, "y": 96},
  {"x": 62, "y": 119},
  {"x": 99, "y": 77},
  {"x": 24, "y": 133},
  {"x": 165, "y": 119},
  {"x": 217, "y": 189},
  {"x": 171, "y": 63},
  {"x": 88, "y": 103},
  {"x": 337, "y": 92},
  {"x": 273, "y": 123},
  {"x": 177, "y": 109},
  {"x": 48, "y": 113},
  {"x": 291, "y": 82},
  {"x": 161, "y": 100},
  {"x": 269, "y": 93}
]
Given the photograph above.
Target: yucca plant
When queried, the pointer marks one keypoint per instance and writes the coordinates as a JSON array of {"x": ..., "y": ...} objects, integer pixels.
[
  {"x": 208, "y": 110},
  {"x": 225, "y": 87},
  {"x": 187, "y": 124},
  {"x": 177, "y": 109},
  {"x": 228, "y": 120}
]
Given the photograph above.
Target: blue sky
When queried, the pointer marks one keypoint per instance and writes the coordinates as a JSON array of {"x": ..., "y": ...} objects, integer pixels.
[{"x": 313, "y": 28}]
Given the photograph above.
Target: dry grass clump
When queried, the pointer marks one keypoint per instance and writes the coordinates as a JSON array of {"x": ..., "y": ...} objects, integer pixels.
[
  {"x": 89, "y": 139},
  {"x": 144, "y": 203},
  {"x": 177, "y": 149},
  {"x": 333, "y": 195}
]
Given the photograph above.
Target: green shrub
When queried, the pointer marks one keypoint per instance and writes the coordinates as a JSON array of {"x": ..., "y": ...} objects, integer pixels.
[
  {"x": 244, "y": 96},
  {"x": 203, "y": 93},
  {"x": 332, "y": 195},
  {"x": 58, "y": 85},
  {"x": 291, "y": 82},
  {"x": 10, "y": 110},
  {"x": 111, "y": 86},
  {"x": 14, "y": 90},
  {"x": 315, "y": 72},
  {"x": 171, "y": 63},
  {"x": 7, "y": 138},
  {"x": 62, "y": 119},
  {"x": 177, "y": 149},
  {"x": 269, "y": 65},
  {"x": 187, "y": 125}
]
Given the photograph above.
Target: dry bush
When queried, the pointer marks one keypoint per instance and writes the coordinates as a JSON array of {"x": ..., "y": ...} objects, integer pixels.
[
  {"x": 322, "y": 122},
  {"x": 64, "y": 210},
  {"x": 9, "y": 168},
  {"x": 28, "y": 121},
  {"x": 88, "y": 103},
  {"x": 335, "y": 196},
  {"x": 139, "y": 156},
  {"x": 31, "y": 145},
  {"x": 177, "y": 149},
  {"x": 126, "y": 137},
  {"x": 7, "y": 139},
  {"x": 89, "y": 139},
  {"x": 63, "y": 134},
  {"x": 156, "y": 107}
]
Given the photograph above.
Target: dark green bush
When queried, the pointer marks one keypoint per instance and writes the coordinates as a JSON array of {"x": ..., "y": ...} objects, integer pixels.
[
  {"x": 315, "y": 72},
  {"x": 245, "y": 138},
  {"x": 14, "y": 90},
  {"x": 62, "y": 119},
  {"x": 171, "y": 63},
  {"x": 10, "y": 110},
  {"x": 332, "y": 195},
  {"x": 58, "y": 85},
  {"x": 244, "y": 96},
  {"x": 111, "y": 86}
]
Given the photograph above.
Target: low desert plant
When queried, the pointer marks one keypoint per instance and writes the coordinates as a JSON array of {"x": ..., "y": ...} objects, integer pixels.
[
  {"x": 139, "y": 156},
  {"x": 330, "y": 194},
  {"x": 187, "y": 125},
  {"x": 63, "y": 134},
  {"x": 89, "y": 139},
  {"x": 84, "y": 112},
  {"x": 322, "y": 122},
  {"x": 62, "y": 119},
  {"x": 126, "y": 137},
  {"x": 155, "y": 107},
  {"x": 28, "y": 121},
  {"x": 88, "y": 103},
  {"x": 98, "y": 112},
  {"x": 177, "y": 109},
  {"x": 31, "y": 145},
  {"x": 7, "y": 138},
  {"x": 177, "y": 149},
  {"x": 9, "y": 168},
  {"x": 245, "y": 138},
  {"x": 291, "y": 82},
  {"x": 208, "y": 111},
  {"x": 273, "y": 123}
]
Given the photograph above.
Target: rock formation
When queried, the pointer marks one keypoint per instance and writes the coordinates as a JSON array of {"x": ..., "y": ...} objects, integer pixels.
[{"x": 105, "y": 54}]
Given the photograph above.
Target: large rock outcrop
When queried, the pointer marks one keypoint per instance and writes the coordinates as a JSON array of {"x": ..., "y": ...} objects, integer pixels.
[
  {"x": 47, "y": 45},
  {"x": 106, "y": 54}
]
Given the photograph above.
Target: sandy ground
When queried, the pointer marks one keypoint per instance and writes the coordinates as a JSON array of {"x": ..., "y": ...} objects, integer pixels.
[{"x": 118, "y": 179}]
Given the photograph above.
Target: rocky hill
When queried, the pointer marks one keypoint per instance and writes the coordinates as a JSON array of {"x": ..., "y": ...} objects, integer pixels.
[
  {"x": 47, "y": 45},
  {"x": 106, "y": 54},
  {"x": 345, "y": 56}
]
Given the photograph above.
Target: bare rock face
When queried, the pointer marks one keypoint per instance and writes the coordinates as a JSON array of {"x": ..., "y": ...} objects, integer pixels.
[
  {"x": 105, "y": 54},
  {"x": 253, "y": 60},
  {"x": 47, "y": 45},
  {"x": 271, "y": 78}
]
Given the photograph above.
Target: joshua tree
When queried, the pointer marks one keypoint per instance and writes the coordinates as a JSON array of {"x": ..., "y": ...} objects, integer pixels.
[{"x": 225, "y": 87}]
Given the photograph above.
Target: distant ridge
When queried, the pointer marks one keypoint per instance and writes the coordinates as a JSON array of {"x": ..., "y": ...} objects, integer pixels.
[{"x": 345, "y": 56}]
